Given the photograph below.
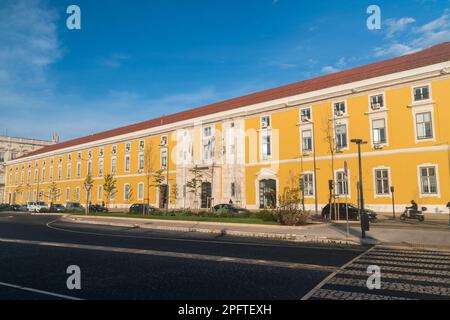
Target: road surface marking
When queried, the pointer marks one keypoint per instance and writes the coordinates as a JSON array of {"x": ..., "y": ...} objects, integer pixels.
[
  {"x": 260, "y": 262},
  {"x": 399, "y": 276},
  {"x": 288, "y": 245},
  {"x": 332, "y": 275},
  {"x": 39, "y": 291},
  {"x": 329, "y": 294}
]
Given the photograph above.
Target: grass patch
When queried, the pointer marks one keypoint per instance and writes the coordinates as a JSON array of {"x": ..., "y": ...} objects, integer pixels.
[{"x": 249, "y": 220}]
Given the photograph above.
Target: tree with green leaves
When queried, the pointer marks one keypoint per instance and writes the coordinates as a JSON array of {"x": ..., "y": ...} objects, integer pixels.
[
  {"x": 194, "y": 183},
  {"x": 88, "y": 183},
  {"x": 109, "y": 187},
  {"x": 53, "y": 192}
]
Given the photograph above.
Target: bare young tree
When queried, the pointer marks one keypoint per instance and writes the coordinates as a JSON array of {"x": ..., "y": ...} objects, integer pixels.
[
  {"x": 329, "y": 138},
  {"x": 149, "y": 162},
  {"x": 194, "y": 183}
]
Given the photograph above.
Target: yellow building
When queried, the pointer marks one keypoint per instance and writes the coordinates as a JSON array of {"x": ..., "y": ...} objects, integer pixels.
[{"x": 248, "y": 149}]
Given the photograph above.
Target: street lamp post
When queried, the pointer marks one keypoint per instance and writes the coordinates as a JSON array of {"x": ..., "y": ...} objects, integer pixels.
[{"x": 363, "y": 215}]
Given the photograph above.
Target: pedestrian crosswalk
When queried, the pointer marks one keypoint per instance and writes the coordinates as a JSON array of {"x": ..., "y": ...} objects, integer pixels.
[{"x": 404, "y": 274}]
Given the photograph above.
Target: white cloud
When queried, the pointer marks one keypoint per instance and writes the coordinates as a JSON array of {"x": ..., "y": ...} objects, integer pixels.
[
  {"x": 329, "y": 69},
  {"x": 395, "y": 26},
  {"x": 415, "y": 39}
]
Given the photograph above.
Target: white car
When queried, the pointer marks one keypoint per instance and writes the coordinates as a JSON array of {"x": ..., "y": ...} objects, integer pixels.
[{"x": 37, "y": 206}]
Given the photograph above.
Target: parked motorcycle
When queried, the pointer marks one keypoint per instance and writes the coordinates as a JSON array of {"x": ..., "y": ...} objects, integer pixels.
[{"x": 413, "y": 214}]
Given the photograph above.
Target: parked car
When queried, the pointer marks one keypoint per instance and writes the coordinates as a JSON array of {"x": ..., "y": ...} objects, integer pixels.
[
  {"x": 141, "y": 208},
  {"x": 5, "y": 207},
  {"x": 228, "y": 208},
  {"x": 74, "y": 207},
  {"x": 97, "y": 208},
  {"x": 57, "y": 208},
  {"x": 353, "y": 212},
  {"x": 18, "y": 207},
  {"x": 38, "y": 206}
]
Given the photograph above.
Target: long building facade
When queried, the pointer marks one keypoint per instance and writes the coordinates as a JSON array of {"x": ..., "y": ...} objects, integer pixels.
[
  {"x": 249, "y": 149},
  {"x": 12, "y": 148}
]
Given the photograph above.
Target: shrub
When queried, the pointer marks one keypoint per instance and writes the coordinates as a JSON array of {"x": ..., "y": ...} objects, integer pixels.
[
  {"x": 292, "y": 217},
  {"x": 264, "y": 215}
]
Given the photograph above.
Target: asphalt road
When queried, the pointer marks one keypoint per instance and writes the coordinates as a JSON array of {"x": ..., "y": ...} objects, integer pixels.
[{"x": 123, "y": 263}]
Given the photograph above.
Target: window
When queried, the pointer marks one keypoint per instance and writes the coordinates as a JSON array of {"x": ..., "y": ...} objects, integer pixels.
[
  {"x": 164, "y": 158},
  {"x": 78, "y": 169},
  {"x": 421, "y": 93},
  {"x": 140, "y": 191},
  {"x": 14, "y": 155},
  {"x": 341, "y": 136},
  {"x": 207, "y": 149},
  {"x": 308, "y": 184},
  {"x": 339, "y": 108},
  {"x": 114, "y": 150},
  {"x": 376, "y": 102},
  {"x": 89, "y": 168},
  {"x": 265, "y": 122},
  {"x": 381, "y": 181},
  {"x": 164, "y": 140},
  {"x": 100, "y": 192},
  {"x": 100, "y": 167},
  {"x": 113, "y": 165},
  {"x": 428, "y": 180},
  {"x": 378, "y": 131},
  {"x": 58, "y": 194},
  {"x": 127, "y": 163},
  {"x": 341, "y": 183},
  {"x": 43, "y": 174},
  {"x": 2, "y": 156},
  {"x": 36, "y": 173},
  {"x": 126, "y": 192},
  {"x": 59, "y": 172},
  {"x": 424, "y": 126},
  {"x": 69, "y": 169},
  {"x": 206, "y": 132},
  {"x": 77, "y": 194},
  {"x": 67, "y": 194},
  {"x": 305, "y": 115},
  {"x": 101, "y": 152},
  {"x": 266, "y": 150},
  {"x": 233, "y": 189},
  {"x": 51, "y": 173},
  {"x": 306, "y": 140},
  {"x": 127, "y": 147},
  {"x": 141, "y": 145},
  {"x": 141, "y": 162}
]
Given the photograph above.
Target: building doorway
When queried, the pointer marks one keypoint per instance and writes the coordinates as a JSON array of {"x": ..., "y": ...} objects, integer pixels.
[
  {"x": 163, "y": 196},
  {"x": 267, "y": 194},
  {"x": 206, "y": 195}
]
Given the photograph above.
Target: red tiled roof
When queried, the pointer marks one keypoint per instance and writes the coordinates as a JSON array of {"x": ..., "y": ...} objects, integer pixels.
[{"x": 437, "y": 54}]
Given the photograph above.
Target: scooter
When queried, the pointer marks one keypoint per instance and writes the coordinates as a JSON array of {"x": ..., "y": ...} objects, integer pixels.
[{"x": 413, "y": 214}]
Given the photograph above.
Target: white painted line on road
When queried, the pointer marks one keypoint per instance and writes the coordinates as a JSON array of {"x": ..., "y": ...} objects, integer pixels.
[
  {"x": 48, "y": 293},
  {"x": 332, "y": 275},
  {"x": 260, "y": 262},
  {"x": 256, "y": 244}
]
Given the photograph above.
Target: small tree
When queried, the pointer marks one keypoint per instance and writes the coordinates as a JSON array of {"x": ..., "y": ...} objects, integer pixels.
[
  {"x": 194, "y": 184},
  {"x": 149, "y": 161},
  {"x": 88, "y": 183},
  {"x": 158, "y": 180},
  {"x": 53, "y": 192},
  {"x": 289, "y": 211},
  {"x": 174, "y": 193},
  {"x": 109, "y": 187}
]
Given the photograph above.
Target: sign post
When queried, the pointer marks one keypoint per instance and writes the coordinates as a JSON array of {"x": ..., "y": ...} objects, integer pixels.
[{"x": 393, "y": 202}]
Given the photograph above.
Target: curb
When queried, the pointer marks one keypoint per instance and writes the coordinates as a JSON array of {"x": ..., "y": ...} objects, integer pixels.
[{"x": 247, "y": 234}]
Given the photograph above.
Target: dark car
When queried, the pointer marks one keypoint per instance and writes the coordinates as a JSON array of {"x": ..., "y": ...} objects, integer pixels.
[
  {"x": 353, "y": 212},
  {"x": 228, "y": 208},
  {"x": 97, "y": 208},
  {"x": 74, "y": 207},
  {"x": 5, "y": 207},
  {"x": 17, "y": 207},
  {"x": 57, "y": 208},
  {"x": 141, "y": 208}
]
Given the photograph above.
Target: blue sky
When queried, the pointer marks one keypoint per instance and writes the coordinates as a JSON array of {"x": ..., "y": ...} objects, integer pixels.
[{"x": 134, "y": 60}]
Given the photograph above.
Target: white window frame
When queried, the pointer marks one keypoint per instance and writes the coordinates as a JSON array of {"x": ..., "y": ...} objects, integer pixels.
[
  {"x": 262, "y": 134},
  {"x": 341, "y": 148},
  {"x": 67, "y": 194},
  {"x": 101, "y": 164},
  {"x": 311, "y": 173},
  {"x": 383, "y": 107},
  {"x": 423, "y": 109},
  {"x": 77, "y": 194},
  {"x": 372, "y": 131},
  {"x": 430, "y": 98},
  {"x": 307, "y": 151},
  {"x": 349, "y": 188},
  {"x": 127, "y": 163},
  {"x": 419, "y": 177},
  {"x": 113, "y": 167},
  {"x": 100, "y": 192},
  {"x": 141, "y": 156},
  {"x": 334, "y": 115},
  {"x": 266, "y": 126},
  {"x": 163, "y": 154},
  {"x": 126, "y": 195},
  {"x": 375, "y": 191},
  {"x": 139, "y": 186},
  {"x": 310, "y": 119}
]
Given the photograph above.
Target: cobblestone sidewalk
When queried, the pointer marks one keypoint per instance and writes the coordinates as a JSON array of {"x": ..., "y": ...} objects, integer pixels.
[{"x": 405, "y": 274}]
